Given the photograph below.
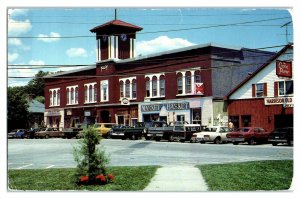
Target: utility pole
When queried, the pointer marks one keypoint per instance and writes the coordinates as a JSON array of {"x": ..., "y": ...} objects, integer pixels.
[
  {"x": 286, "y": 30},
  {"x": 115, "y": 14}
]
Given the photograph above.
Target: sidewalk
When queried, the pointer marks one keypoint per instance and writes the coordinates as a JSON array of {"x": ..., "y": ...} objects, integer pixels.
[{"x": 177, "y": 178}]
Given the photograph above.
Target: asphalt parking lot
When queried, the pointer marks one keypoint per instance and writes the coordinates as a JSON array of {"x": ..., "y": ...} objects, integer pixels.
[{"x": 58, "y": 153}]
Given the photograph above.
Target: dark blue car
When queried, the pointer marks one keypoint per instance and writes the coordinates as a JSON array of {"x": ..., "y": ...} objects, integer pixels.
[{"x": 17, "y": 133}]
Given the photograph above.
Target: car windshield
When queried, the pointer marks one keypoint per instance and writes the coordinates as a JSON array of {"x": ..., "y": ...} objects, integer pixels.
[
  {"x": 243, "y": 130},
  {"x": 210, "y": 129}
]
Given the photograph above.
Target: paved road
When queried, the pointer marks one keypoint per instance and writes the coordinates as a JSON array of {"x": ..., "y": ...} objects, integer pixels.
[{"x": 57, "y": 153}]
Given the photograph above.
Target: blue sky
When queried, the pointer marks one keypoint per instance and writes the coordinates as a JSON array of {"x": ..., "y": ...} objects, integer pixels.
[{"x": 61, "y": 22}]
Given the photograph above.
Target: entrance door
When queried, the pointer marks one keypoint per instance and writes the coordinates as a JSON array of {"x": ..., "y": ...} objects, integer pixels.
[
  {"x": 104, "y": 116},
  {"x": 284, "y": 121}
]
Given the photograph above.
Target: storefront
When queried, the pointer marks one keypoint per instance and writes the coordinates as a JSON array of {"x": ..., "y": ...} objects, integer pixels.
[
  {"x": 54, "y": 118},
  {"x": 197, "y": 111}
]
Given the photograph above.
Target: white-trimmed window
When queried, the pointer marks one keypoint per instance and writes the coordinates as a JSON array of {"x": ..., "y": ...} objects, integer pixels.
[
  {"x": 186, "y": 81},
  {"x": 285, "y": 88},
  {"x": 90, "y": 93},
  {"x": 72, "y": 95},
  {"x": 259, "y": 90},
  {"x": 54, "y": 95},
  {"x": 128, "y": 88},
  {"x": 104, "y": 90},
  {"x": 155, "y": 85}
]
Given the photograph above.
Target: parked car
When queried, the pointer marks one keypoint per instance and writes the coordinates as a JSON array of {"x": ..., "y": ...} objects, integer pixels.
[
  {"x": 159, "y": 130},
  {"x": 216, "y": 134},
  {"x": 17, "y": 133},
  {"x": 49, "y": 133},
  {"x": 73, "y": 131},
  {"x": 252, "y": 135},
  {"x": 31, "y": 132},
  {"x": 183, "y": 132},
  {"x": 136, "y": 132},
  {"x": 282, "y": 135},
  {"x": 118, "y": 131},
  {"x": 104, "y": 128}
]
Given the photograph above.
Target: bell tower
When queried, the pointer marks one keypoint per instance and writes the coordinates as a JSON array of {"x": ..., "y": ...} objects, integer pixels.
[{"x": 115, "y": 40}]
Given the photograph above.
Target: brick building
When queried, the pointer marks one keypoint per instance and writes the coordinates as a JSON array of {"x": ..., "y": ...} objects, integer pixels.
[{"x": 183, "y": 84}]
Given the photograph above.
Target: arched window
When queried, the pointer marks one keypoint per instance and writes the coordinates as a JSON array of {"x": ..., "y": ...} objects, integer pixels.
[
  {"x": 147, "y": 87},
  {"x": 154, "y": 86},
  {"x": 76, "y": 95},
  {"x": 72, "y": 95},
  {"x": 127, "y": 89},
  {"x": 162, "y": 85},
  {"x": 188, "y": 82},
  {"x": 68, "y": 97},
  {"x": 86, "y": 94},
  {"x": 179, "y": 84},
  {"x": 90, "y": 93},
  {"x": 121, "y": 89},
  {"x": 54, "y": 98},
  {"x": 58, "y": 97},
  {"x": 51, "y": 98},
  {"x": 197, "y": 76},
  {"x": 95, "y": 93},
  {"x": 133, "y": 88}
]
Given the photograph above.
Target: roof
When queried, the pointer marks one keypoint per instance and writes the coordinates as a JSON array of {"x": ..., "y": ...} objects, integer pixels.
[
  {"x": 258, "y": 70},
  {"x": 36, "y": 107},
  {"x": 116, "y": 23}
]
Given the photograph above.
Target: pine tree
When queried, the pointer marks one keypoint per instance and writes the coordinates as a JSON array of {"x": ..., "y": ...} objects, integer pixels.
[{"x": 91, "y": 160}]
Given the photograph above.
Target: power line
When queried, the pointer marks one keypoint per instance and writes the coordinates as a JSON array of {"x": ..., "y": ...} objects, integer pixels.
[
  {"x": 162, "y": 31},
  {"x": 136, "y": 62}
]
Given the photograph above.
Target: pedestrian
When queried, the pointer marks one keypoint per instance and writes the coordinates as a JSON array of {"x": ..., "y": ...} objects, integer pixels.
[{"x": 230, "y": 125}]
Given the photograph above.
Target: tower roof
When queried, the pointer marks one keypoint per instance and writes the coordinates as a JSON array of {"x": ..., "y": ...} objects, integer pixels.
[{"x": 116, "y": 24}]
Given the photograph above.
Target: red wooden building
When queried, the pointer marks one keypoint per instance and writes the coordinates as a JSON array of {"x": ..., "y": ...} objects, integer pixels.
[
  {"x": 183, "y": 84},
  {"x": 266, "y": 98}
]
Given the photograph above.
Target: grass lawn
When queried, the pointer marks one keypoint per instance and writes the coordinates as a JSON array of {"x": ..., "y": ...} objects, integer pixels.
[
  {"x": 126, "y": 179},
  {"x": 249, "y": 176}
]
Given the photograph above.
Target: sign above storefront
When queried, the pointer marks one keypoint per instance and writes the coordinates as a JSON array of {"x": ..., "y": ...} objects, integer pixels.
[
  {"x": 286, "y": 101},
  {"x": 52, "y": 113},
  {"x": 168, "y": 107},
  {"x": 284, "y": 68}
]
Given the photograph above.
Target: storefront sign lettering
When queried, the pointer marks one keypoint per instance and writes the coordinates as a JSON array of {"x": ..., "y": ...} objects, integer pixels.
[
  {"x": 169, "y": 107},
  {"x": 284, "y": 68},
  {"x": 279, "y": 100}
]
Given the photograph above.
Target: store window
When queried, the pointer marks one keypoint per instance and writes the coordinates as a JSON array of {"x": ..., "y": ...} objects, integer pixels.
[
  {"x": 180, "y": 118},
  {"x": 286, "y": 88},
  {"x": 104, "y": 90},
  {"x": 196, "y": 115},
  {"x": 246, "y": 120}
]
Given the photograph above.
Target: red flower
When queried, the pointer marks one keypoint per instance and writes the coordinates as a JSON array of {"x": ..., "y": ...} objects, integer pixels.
[
  {"x": 111, "y": 177},
  {"x": 84, "y": 179},
  {"x": 101, "y": 177}
]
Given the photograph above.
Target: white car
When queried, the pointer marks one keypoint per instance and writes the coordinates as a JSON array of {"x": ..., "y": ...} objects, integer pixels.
[{"x": 216, "y": 134}]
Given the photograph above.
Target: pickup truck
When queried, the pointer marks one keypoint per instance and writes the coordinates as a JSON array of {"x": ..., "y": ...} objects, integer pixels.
[
  {"x": 216, "y": 134},
  {"x": 159, "y": 130},
  {"x": 252, "y": 135},
  {"x": 73, "y": 131},
  {"x": 136, "y": 132}
]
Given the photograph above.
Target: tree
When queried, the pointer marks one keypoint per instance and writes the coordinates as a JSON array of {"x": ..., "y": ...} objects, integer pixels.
[
  {"x": 91, "y": 161},
  {"x": 36, "y": 85},
  {"x": 40, "y": 99},
  {"x": 17, "y": 108}
]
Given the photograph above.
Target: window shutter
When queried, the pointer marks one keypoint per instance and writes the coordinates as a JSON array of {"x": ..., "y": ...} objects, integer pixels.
[
  {"x": 265, "y": 90},
  {"x": 253, "y": 90},
  {"x": 275, "y": 89}
]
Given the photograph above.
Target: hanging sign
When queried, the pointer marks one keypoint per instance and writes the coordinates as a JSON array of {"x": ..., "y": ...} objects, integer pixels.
[
  {"x": 199, "y": 88},
  {"x": 284, "y": 68}
]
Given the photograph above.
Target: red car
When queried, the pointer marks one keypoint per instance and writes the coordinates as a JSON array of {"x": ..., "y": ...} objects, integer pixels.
[{"x": 252, "y": 135}]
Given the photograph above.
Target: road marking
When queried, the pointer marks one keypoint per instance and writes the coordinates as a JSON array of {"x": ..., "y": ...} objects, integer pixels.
[
  {"x": 50, "y": 166},
  {"x": 24, "y": 166}
]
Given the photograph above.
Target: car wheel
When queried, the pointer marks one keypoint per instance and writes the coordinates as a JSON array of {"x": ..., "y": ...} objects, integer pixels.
[
  {"x": 133, "y": 137},
  {"x": 217, "y": 140},
  {"x": 171, "y": 139},
  {"x": 46, "y": 136},
  {"x": 157, "y": 139},
  {"x": 274, "y": 143},
  {"x": 251, "y": 141},
  {"x": 147, "y": 137},
  {"x": 235, "y": 143}
]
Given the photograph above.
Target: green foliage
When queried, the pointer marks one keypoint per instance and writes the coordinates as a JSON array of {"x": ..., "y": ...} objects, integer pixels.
[
  {"x": 249, "y": 176},
  {"x": 17, "y": 108},
  {"x": 40, "y": 99},
  {"x": 36, "y": 85},
  {"x": 127, "y": 179},
  {"x": 91, "y": 161}
]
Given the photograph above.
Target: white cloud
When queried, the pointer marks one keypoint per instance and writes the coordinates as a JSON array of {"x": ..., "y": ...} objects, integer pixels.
[
  {"x": 18, "y": 27},
  {"x": 160, "y": 44},
  {"x": 12, "y": 57},
  {"x": 76, "y": 52},
  {"x": 36, "y": 62},
  {"x": 53, "y": 36},
  {"x": 15, "y": 42},
  {"x": 17, "y": 12}
]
